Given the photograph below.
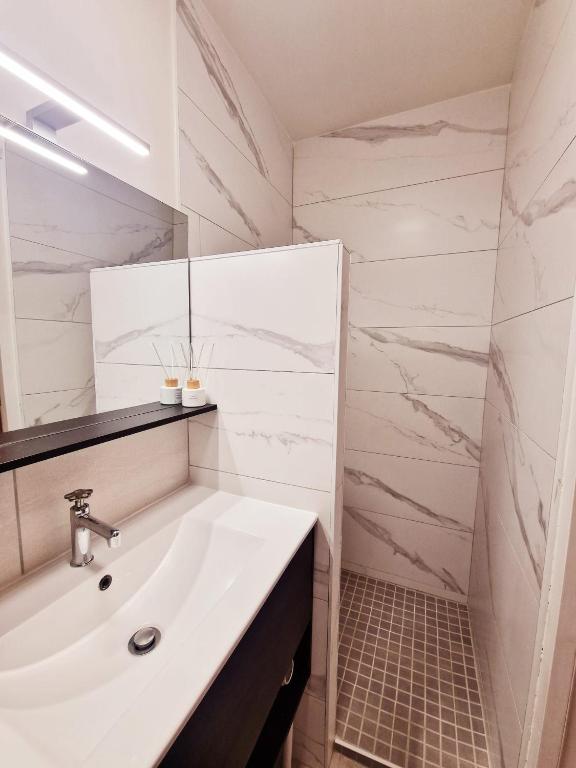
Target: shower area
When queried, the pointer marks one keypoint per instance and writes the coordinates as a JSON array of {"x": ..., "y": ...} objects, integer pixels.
[{"x": 459, "y": 218}]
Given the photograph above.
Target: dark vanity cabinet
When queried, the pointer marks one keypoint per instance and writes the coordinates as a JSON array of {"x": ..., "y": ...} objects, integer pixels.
[{"x": 244, "y": 718}]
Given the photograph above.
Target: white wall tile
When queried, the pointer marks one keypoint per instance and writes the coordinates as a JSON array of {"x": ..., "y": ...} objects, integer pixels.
[
  {"x": 424, "y": 491},
  {"x": 54, "y": 355},
  {"x": 518, "y": 480},
  {"x": 214, "y": 240},
  {"x": 65, "y": 213},
  {"x": 427, "y": 555},
  {"x": 536, "y": 143},
  {"x": 446, "y": 429},
  {"x": 49, "y": 283},
  {"x": 452, "y": 289},
  {"x": 213, "y": 76},
  {"x": 272, "y": 311},
  {"x": 427, "y": 361},
  {"x": 269, "y": 425},
  {"x": 220, "y": 184},
  {"x": 134, "y": 307},
  {"x": 450, "y": 138},
  {"x": 48, "y": 407},
  {"x": 119, "y": 385},
  {"x": 526, "y": 372},
  {"x": 536, "y": 264},
  {"x": 449, "y": 216}
]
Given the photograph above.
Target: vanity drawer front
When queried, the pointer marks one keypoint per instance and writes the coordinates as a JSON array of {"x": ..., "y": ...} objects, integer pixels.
[{"x": 225, "y": 727}]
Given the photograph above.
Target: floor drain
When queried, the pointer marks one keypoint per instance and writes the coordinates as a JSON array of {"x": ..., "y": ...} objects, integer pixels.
[{"x": 144, "y": 640}]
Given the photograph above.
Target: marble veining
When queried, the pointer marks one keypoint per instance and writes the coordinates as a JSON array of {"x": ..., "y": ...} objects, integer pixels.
[
  {"x": 221, "y": 80},
  {"x": 361, "y": 478},
  {"x": 320, "y": 355},
  {"x": 381, "y": 133},
  {"x": 216, "y": 182},
  {"x": 447, "y": 427},
  {"x": 379, "y": 531},
  {"x": 104, "y": 349},
  {"x": 500, "y": 372}
]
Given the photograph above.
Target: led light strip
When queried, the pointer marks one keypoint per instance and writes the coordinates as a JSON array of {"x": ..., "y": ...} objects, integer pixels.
[
  {"x": 68, "y": 101},
  {"x": 40, "y": 149}
]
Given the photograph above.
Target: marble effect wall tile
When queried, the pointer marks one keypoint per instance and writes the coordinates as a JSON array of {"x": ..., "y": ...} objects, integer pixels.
[
  {"x": 48, "y": 407},
  {"x": 44, "y": 517},
  {"x": 134, "y": 307},
  {"x": 424, "y": 491},
  {"x": 309, "y": 748},
  {"x": 245, "y": 307},
  {"x": 537, "y": 141},
  {"x": 535, "y": 265},
  {"x": 54, "y": 356},
  {"x": 215, "y": 240},
  {"x": 269, "y": 425},
  {"x": 220, "y": 184},
  {"x": 450, "y": 138},
  {"x": 518, "y": 479},
  {"x": 427, "y": 361},
  {"x": 213, "y": 76},
  {"x": 119, "y": 385},
  {"x": 526, "y": 372},
  {"x": 9, "y": 549},
  {"x": 416, "y": 292},
  {"x": 445, "y": 429},
  {"x": 49, "y": 283},
  {"x": 65, "y": 214},
  {"x": 427, "y": 556},
  {"x": 448, "y": 216}
]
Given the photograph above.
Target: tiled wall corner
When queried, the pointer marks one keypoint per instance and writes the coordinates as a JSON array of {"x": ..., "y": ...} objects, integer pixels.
[{"x": 416, "y": 199}]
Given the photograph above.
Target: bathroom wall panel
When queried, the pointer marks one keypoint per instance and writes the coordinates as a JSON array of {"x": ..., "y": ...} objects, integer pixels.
[
  {"x": 258, "y": 329},
  {"x": 451, "y": 138},
  {"x": 10, "y": 568},
  {"x": 211, "y": 73},
  {"x": 114, "y": 470},
  {"x": 269, "y": 425},
  {"x": 448, "y": 216},
  {"x": 526, "y": 372},
  {"x": 419, "y": 360},
  {"x": 536, "y": 264},
  {"x": 135, "y": 307},
  {"x": 120, "y": 385},
  {"x": 416, "y": 292},
  {"x": 415, "y": 554},
  {"x": 219, "y": 183},
  {"x": 416, "y": 197},
  {"x": 436, "y": 428},
  {"x": 423, "y": 491},
  {"x": 536, "y": 143},
  {"x": 518, "y": 483}
]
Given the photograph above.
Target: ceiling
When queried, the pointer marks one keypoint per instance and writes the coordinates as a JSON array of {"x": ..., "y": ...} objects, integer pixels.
[{"x": 326, "y": 64}]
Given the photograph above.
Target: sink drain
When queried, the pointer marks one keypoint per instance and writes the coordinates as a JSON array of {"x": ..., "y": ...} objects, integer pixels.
[{"x": 144, "y": 640}]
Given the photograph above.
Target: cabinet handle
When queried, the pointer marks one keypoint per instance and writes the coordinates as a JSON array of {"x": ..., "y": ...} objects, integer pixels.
[{"x": 288, "y": 676}]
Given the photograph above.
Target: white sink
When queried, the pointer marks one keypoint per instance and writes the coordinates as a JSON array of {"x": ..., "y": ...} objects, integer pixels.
[{"x": 197, "y": 566}]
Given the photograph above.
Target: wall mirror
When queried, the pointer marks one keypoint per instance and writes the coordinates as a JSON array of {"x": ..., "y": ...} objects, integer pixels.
[{"x": 57, "y": 225}]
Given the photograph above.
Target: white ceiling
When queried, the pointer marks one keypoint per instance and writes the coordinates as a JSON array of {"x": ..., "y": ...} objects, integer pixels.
[{"x": 326, "y": 64}]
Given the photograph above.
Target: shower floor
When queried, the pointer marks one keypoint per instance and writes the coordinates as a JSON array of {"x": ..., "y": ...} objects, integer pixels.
[{"x": 407, "y": 684}]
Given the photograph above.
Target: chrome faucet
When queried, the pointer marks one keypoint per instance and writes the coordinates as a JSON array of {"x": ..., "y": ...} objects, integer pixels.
[{"x": 81, "y": 523}]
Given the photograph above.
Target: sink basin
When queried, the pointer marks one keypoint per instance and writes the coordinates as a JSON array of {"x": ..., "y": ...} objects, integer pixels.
[{"x": 197, "y": 566}]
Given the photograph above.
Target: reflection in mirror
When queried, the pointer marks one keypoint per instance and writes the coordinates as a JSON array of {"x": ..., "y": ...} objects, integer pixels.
[{"x": 56, "y": 227}]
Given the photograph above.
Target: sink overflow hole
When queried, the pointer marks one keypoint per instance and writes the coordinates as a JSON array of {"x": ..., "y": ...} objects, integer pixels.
[
  {"x": 144, "y": 640},
  {"x": 104, "y": 582}
]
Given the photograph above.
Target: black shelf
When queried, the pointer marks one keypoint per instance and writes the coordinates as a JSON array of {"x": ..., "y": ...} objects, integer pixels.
[{"x": 33, "y": 444}]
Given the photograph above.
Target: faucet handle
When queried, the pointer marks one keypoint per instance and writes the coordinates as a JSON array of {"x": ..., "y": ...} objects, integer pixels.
[
  {"x": 79, "y": 494},
  {"x": 79, "y": 497}
]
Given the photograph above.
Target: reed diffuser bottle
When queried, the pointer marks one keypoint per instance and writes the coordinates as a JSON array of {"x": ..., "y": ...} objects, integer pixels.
[
  {"x": 170, "y": 391},
  {"x": 193, "y": 393}
]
